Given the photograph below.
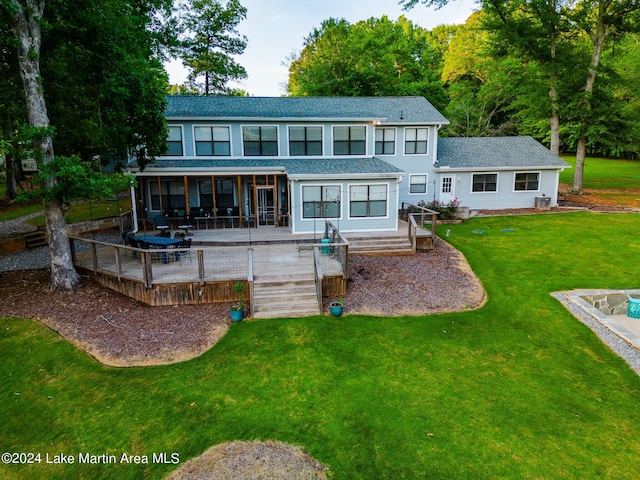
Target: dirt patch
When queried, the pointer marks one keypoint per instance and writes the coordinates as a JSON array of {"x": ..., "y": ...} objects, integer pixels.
[
  {"x": 121, "y": 332},
  {"x": 113, "y": 328},
  {"x": 251, "y": 461}
]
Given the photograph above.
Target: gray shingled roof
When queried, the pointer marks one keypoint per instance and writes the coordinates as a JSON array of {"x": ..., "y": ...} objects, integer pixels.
[
  {"x": 293, "y": 167},
  {"x": 386, "y": 109},
  {"x": 495, "y": 152}
]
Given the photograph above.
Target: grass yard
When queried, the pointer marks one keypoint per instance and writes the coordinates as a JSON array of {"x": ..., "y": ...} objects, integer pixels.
[
  {"x": 517, "y": 389},
  {"x": 608, "y": 180}
]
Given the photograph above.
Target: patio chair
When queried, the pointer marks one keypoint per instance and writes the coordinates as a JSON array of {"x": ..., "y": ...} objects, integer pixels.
[
  {"x": 185, "y": 244},
  {"x": 161, "y": 223}
]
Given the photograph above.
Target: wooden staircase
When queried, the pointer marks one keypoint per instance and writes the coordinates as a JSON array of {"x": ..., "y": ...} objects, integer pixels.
[
  {"x": 398, "y": 244},
  {"x": 36, "y": 239},
  {"x": 284, "y": 285}
]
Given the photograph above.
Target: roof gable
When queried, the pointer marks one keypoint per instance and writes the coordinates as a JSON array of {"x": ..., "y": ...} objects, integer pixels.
[
  {"x": 468, "y": 153},
  {"x": 408, "y": 110}
]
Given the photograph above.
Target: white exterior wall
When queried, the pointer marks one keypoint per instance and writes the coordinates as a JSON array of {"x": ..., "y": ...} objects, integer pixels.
[
  {"x": 344, "y": 222},
  {"x": 505, "y": 196}
]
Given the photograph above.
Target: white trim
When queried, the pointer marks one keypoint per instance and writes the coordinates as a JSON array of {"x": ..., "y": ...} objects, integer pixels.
[
  {"x": 513, "y": 184},
  {"x": 369, "y": 218},
  {"x": 497, "y": 174},
  {"x": 242, "y": 126}
]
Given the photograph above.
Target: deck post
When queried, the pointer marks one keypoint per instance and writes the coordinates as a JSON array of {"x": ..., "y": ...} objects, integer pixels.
[
  {"x": 147, "y": 270},
  {"x": 118, "y": 263},
  {"x": 201, "y": 266}
]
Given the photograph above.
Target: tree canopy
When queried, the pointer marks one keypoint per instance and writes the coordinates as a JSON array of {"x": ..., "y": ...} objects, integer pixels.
[{"x": 368, "y": 58}]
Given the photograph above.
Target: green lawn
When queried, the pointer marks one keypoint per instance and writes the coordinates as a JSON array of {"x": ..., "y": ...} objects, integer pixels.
[
  {"x": 605, "y": 173},
  {"x": 518, "y": 389}
]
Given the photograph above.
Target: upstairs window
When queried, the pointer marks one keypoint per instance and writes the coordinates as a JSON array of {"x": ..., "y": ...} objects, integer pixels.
[
  {"x": 305, "y": 141},
  {"x": 349, "y": 140},
  {"x": 174, "y": 141},
  {"x": 415, "y": 141},
  {"x": 385, "y": 141},
  {"x": 213, "y": 141},
  {"x": 485, "y": 182},
  {"x": 260, "y": 141},
  {"x": 527, "y": 181}
]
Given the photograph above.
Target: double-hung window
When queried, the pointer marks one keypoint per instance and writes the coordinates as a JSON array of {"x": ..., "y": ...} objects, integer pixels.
[
  {"x": 214, "y": 141},
  {"x": 385, "y": 141},
  {"x": 349, "y": 140},
  {"x": 260, "y": 141},
  {"x": 527, "y": 181},
  {"x": 305, "y": 141},
  {"x": 417, "y": 184},
  {"x": 321, "y": 201},
  {"x": 368, "y": 200},
  {"x": 485, "y": 182},
  {"x": 174, "y": 141},
  {"x": 415, "y": 141}
]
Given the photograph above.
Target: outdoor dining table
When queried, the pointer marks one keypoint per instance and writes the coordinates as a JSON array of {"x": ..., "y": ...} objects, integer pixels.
[{"x": 162, "y": 242}]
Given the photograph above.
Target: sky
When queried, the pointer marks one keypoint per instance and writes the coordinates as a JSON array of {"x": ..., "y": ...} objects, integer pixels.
[{"x": 276, "y": 28}]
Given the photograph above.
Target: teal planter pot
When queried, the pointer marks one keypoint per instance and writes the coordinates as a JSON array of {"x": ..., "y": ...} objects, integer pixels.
[
  {"x": 335, "y": 308},
  {"x": 236, "y": 315}
]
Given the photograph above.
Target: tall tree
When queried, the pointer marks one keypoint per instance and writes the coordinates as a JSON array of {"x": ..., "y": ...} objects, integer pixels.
[
  {"x": 26, "y": 17},
  {"x": 600, "y": 20},
  {"x": 371, "y": 57},
  {"x": 211, "y": 41},
  {"x": 540, "y": 27},
  {"x": 90, "y": 76}
]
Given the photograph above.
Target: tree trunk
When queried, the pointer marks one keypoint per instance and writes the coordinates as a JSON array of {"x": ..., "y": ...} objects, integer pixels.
[
  {"x": 26, "y": 16},
  {"x": 597, "y": 38},
  {"x": 11, "y": 171},
  {"x": 578, "y": 174}
]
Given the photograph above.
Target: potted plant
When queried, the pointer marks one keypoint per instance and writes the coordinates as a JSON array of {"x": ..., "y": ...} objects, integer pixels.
[
  {"x": 237, "y": 309},
  {"x": 336, "y": 307}
]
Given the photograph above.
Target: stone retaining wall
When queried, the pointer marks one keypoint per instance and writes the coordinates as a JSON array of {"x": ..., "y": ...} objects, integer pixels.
[{"x": 614, "y": 304}]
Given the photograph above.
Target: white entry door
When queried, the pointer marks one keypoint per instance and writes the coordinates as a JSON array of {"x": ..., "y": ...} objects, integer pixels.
[{"x": 447, "y": 188}]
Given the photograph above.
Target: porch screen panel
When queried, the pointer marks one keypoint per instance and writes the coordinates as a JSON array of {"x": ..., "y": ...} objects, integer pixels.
[
  {"x": 206, "y": 194},
  {"x": 173, "y": 194}
]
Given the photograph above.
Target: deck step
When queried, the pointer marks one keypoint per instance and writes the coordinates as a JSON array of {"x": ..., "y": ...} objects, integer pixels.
[
  {"x": 387, "y": 245},
  {"x": 36, "y": 239},
  {"x": 289, "y": 295}
]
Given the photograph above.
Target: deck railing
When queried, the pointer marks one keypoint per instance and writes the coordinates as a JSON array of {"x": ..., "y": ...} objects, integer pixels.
[
  {"x": 162, "y": 266},
  {"x": 423, "y": 218}
]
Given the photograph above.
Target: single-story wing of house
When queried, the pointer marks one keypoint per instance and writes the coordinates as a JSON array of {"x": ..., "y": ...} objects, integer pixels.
[{"x": 298, "y": 161}]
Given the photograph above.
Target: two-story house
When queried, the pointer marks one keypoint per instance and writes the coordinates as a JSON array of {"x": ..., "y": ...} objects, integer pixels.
[{"x": 297, "y": 161}]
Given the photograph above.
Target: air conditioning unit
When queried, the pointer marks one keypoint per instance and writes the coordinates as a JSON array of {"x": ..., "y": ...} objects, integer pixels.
[{"x": 543, "y": 203}]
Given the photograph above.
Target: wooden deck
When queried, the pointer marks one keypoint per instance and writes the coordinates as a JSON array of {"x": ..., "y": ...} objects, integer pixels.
[{"x": 217, "y": 259}]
